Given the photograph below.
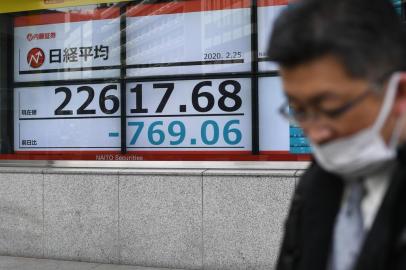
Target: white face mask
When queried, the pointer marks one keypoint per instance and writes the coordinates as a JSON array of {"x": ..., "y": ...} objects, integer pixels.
[{"x": 364, "y": 152}]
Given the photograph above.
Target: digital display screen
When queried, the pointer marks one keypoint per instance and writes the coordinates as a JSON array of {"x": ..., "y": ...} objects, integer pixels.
[
  {"x": 161, "y": 80},
  {"x": 190, "y": 115},
  {"x": 69, "y": 117},
  {"x": 190, "y": 37},
  {"x": 268, "y": 11},
  {"x": 60, "y": 46}
]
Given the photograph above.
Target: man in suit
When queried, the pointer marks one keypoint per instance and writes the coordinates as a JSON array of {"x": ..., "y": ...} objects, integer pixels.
[{"x": 341, "y": 64}]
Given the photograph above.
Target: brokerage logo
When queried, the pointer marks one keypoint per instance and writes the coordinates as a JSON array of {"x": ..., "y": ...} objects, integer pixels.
[
  {"x": 41, "y": 36},
  {"x": 36, "y": 57}
]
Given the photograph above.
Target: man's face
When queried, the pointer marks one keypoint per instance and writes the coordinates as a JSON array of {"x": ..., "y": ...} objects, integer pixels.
[{"x": 323, "y": 84}]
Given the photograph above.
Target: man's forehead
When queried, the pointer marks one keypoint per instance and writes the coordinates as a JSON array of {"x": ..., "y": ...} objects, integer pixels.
[
  {"x": 321, "y": 71},
  {"x": 321, "y": 78},
  {"x": 316, "y": 97},
  {"x": 310, "y": 88}
]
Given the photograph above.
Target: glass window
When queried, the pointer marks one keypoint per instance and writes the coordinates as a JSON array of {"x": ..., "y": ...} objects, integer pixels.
[{"x": 142, "y": 80}]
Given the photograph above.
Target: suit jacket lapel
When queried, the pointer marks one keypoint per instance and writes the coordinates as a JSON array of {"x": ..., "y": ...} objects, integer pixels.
[
  {"x": 320, "y": 208},
  {"x": 380, "y": 242}
]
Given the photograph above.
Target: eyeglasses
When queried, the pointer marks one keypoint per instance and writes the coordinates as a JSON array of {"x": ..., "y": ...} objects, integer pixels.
[{"x": 302, "y": 115}]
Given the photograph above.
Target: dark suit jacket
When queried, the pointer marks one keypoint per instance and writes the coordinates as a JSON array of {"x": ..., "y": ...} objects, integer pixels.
[{"x": 310, "y": 223}]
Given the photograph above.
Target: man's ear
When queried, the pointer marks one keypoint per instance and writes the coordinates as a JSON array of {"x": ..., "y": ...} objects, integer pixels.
[{"x": 400, "y": 102}]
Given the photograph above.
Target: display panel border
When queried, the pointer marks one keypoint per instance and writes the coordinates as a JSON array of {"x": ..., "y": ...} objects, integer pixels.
[{"x": 254, "y": 75}]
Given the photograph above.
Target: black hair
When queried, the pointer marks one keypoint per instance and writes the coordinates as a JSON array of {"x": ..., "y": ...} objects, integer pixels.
[{"x": 366, "y": 36}]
